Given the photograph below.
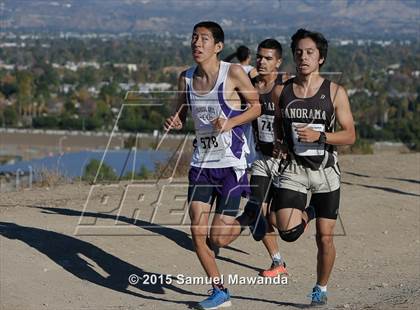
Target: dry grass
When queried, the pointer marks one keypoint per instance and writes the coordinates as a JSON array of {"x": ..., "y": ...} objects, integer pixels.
[
  {"x": 49, "y": 178},
  {"x": 177, "y": 166}
]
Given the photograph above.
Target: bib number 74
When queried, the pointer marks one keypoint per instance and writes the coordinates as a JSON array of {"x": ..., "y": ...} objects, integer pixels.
[{"x": 265, "y": 128}]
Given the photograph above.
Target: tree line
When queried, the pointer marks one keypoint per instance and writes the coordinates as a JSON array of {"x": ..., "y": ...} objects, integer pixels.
[{"x": 81, "y": 84}]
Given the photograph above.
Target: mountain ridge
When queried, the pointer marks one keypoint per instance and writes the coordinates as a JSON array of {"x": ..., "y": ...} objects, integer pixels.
[{"x": 337, "y": 17}]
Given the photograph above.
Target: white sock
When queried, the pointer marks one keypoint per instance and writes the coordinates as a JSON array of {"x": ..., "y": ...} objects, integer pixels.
[
  {"x": 276, "y": 257},
  {"x": 322, "y": 288}
]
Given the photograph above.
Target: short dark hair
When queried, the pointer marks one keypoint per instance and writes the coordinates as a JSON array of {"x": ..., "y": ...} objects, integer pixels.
[
  {"x": 318, "y": 38},
  {"x": 215, "y": 29},
  {"x": 242, "y": 53},
  {"x": 272, "y": 44}
]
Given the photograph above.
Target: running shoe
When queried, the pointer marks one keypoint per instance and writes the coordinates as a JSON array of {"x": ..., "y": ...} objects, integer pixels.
[
  {"x": 319, "y": 298},
  {"x": 277, "y": 268},
  {"x": 218, "y": 299}
]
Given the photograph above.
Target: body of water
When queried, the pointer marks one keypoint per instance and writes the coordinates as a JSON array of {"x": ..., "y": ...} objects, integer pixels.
[{"x": 73, "y": 165}]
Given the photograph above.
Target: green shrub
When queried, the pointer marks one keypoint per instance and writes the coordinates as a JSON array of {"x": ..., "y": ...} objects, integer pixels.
[{"x": 106, "y": 173}]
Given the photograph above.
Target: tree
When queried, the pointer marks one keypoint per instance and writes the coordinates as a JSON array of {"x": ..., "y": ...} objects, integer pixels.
[
  {"x": 25, "y": 86},
  {"x": 9, "y": 116},
  {"x": 8, "y": 85}
]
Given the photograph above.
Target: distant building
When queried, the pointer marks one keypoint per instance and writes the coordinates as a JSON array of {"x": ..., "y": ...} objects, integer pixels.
[
  {"x": 55, "y": 107},
  {"x": 415, "y": 73},
  {"x": 66, "y": 88},
  {"x": 148, "y": 87},
  {"x": 7, "y": 67},
  {"x": 93, "y": 91},
  {"x": 345, "y": 42},
  {"x": 129, "y": 67}
]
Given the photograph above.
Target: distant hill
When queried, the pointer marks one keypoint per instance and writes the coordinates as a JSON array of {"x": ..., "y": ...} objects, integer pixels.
[{"x": 339, "y": 18}]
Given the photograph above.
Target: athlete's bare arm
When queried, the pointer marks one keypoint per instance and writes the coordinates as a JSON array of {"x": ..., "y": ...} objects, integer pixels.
[
  {"x": 279, "y": 150},
  {"x": 240, "y": 82},
  {"x": 177, "y": 120},
  {"x": 277, "y": 113},
  {"x": 347, "y": 134}
]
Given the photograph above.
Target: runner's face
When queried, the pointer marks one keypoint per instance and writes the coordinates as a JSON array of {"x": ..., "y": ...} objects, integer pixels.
[
  {"x": 307, "y": 57},
  {"x": 203, "y": 46},
  {"x": 267, "y": 61}
]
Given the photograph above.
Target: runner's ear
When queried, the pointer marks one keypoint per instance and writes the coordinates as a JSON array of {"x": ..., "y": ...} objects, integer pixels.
[
  {"x": 219, "y": 47},
  {"x": 279, "y": 61}
]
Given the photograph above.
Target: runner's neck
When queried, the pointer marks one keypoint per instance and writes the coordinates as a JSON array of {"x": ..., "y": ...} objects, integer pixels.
[
  {"x": 310, "y": 81},
  {"x": 209, "y": 69},
  {"x": 266, "y": 82}
]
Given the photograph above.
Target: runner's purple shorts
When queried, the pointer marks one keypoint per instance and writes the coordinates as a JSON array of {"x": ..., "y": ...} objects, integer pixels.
[{"x": 225, "y": 185}]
